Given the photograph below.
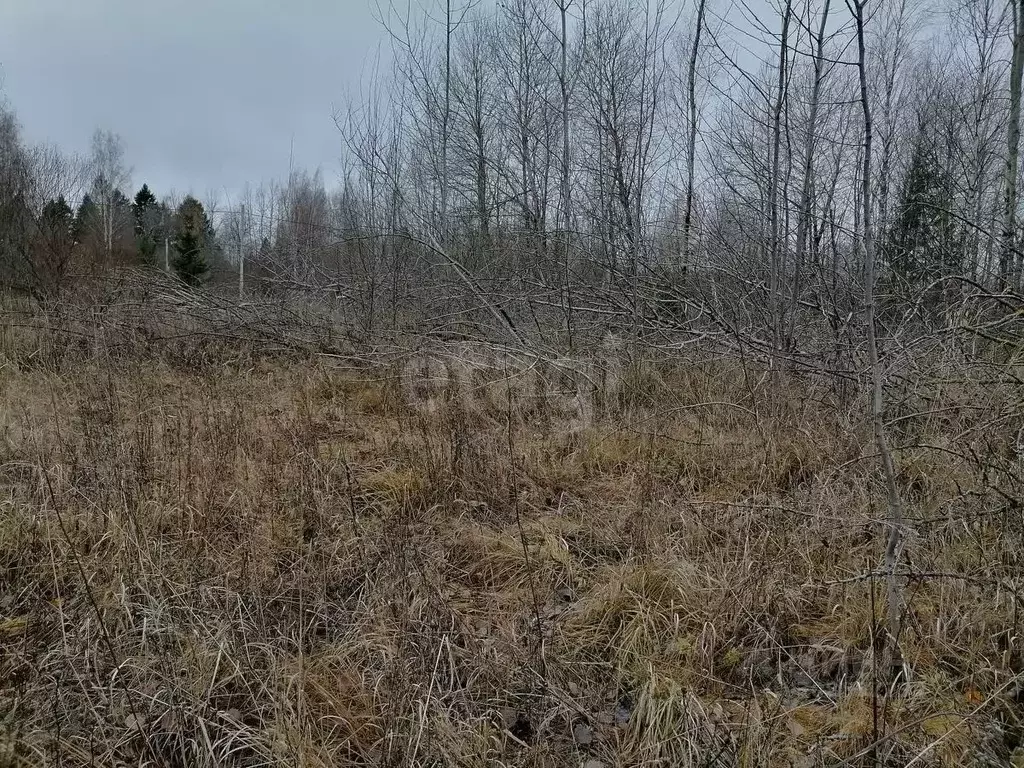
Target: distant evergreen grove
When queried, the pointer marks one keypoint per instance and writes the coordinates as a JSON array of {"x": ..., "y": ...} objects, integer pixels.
[
  {"x": 48, "y": 239},
  {"x": 120, "y": 231}
]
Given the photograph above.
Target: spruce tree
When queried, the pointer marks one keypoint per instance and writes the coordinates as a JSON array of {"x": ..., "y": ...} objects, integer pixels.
[
  {"x": 923, "y": 242},
  {"x": 143, "y": 209},
  {"x": 191, "y": 241},
  {"x": 57, "y": 216},
  {"x": 85, "y": 219}
]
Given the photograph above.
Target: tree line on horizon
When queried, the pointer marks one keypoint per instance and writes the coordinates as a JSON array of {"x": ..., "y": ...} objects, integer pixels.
[{"x": 569, "y": 164}]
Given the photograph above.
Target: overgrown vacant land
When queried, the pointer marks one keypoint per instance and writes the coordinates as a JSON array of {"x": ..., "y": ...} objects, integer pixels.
[{"x": 215, "y": 555}]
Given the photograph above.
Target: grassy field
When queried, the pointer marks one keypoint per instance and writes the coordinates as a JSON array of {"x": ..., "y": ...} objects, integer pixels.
[{"x": 264, "y": 561}]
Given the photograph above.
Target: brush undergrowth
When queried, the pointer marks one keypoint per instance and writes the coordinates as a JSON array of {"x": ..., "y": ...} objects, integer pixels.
[{"x": 217, "y": 559}]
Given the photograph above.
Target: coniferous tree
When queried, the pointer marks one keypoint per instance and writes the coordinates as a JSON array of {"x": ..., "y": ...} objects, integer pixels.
[
  {"x": 924, "y": 241},
  {"x": 52, "y": 248},
  {"x": 56, "y": 211},
  {"x": 192, "y": 241},
  {"x": 86, "y": 218},
  {"x": 146, "y": 214},
  {"x": 57, "y": 221}
]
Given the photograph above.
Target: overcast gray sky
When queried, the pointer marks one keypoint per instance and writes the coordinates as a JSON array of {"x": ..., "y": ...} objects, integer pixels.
[{"x": 207, "y": 94}]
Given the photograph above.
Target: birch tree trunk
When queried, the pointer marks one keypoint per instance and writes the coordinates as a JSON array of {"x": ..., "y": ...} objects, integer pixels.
[
  {"x": 806, "y": 185},
  {"x": 775, "y": 245}
]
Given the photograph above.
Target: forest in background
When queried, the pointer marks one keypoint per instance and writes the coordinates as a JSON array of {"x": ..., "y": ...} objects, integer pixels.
[{"x": 576, "y": 166}]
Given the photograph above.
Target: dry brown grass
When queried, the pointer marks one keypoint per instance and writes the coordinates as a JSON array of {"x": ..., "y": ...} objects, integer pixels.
[{"x": 261, "y": 563}]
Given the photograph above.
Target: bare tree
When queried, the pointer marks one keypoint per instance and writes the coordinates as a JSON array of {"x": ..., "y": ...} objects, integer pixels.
[
  {"x": 691, "y": 137},
  {"x": 867, "y": 244},
  {"x": 472, "y": 129},
  {"x": 777, "y": 242},
  {"x": 804, "y": 211},
  {"x": 976, "y": 29},
  {"x": 526, "y": 102},
  {"x": 110, "y": 179},
  {"x": 893, "y": 50}
]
